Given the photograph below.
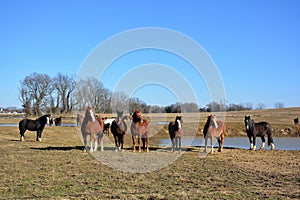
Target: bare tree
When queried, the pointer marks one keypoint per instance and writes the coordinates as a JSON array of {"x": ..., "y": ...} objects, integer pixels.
[
  {"x": 260, "y": 106},
  {"x": 279, "y": 105},
  {"x": 64, "y": 85},
  {"x": 36, "y": 87},
  {"x": 25, "y": 99}
]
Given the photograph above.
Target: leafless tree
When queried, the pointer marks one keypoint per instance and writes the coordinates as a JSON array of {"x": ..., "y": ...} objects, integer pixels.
[
  {"x": 35, "y": 88},
  {"x": 279, "y": 105},
  {"x": 64, "y": 85},
  {"x": 260, "y": 106}
]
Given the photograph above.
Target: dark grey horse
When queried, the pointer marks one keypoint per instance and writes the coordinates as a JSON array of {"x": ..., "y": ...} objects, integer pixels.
[{"x": 259, "y": 129}]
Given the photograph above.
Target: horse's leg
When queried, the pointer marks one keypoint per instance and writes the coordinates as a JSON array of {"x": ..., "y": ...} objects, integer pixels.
[
  {"x": 134, "y": 142},
  {"x": 84, "y": 142},
  {"x": 262, "y": 147},
  {"x": 144, "y": 142},
  {"x": 176, "y": 141},
  {"x": 147, "y": 143},
  {"x": 179, "y": 141},
  {"x": 205, "y": 148},
  {"x": 101, "y": 141},
  {"x": 212, "y": 144},
  {"x": 219, "y": 142},
  {"x": 254, "y": 140},
  {"x": 96, "y": 143},
  {"x": 139, "y": 142},
  {"x": 39, "y": 135},
  {"x": 173, "y": 144},
  {"x": 22, "y": 132},
  {"x": 251, "y": 143},
  {"x": 122, "y": 140},
  {"x": 116, "y": 143},
  {"x": 270, "y": 139}
]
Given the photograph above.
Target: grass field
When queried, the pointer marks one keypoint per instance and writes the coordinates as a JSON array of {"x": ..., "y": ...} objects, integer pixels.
[{"x": 57, "y": 167}]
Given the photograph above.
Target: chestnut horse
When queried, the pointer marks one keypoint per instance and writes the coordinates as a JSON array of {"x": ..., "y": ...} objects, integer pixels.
[
  {"x": 118, "y": 129},
  {"x": 141, "y": 128},
  {"x": 212, "y": 129},
  {"x": 176, "y": 132},
  {"x": 94, "y": 128}
]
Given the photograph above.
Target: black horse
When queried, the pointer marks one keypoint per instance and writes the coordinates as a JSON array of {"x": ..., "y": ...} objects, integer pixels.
[
  {"x": 296, "y": 121},
  {"x": 37, "y": 125},
  {"x": 118, "y": 129},
  {"x": 176, "y": 131},
  {"x": 259, "y": 129}
]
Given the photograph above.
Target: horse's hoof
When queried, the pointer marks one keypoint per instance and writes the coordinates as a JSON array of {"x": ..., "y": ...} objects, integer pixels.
[
  {"x": 219, "y": 150},
  {"x": 272, "y": 146}
]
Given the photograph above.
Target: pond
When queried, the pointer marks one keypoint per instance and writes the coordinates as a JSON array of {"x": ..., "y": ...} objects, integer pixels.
[{"x": 281, "y": 143}]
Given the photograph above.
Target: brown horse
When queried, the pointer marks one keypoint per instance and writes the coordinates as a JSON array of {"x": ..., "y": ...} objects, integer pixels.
[
  {"x": 176, "y": 132},
  {"x": 212, "y": 129},
  {"x": 140, "y": 127},
  {"x": 92, "y": 127}
]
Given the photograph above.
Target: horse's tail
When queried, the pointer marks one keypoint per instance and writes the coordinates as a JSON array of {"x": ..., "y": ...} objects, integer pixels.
[
  {"x": 269, "y": 133},
  {"x": 224, "y": 129}
]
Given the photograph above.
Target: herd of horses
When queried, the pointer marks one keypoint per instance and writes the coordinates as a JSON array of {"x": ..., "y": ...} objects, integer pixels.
[{"x": 94, "y": 127}]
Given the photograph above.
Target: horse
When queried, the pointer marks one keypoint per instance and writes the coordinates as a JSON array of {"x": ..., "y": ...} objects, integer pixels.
[
  {"x": 118, "y": 129},
  {"x": 94, "y": 128},
  {"x": 107, "y": 124},
  {"x": 141, "y": 128},
  {"x": 296, "y": 121},
  {"x": 37, "y": 125},
  {"x": 56, "y": 121},
  {"x": 212, "y": 129},
  {"x": 176, "y": 131},
  {"x": 259, "y": 129}
]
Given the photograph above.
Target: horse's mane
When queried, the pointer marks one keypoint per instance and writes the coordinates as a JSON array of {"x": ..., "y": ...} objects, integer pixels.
[
  {"x": 206, "y": 126},
  {"x": 135, "y": 117}
]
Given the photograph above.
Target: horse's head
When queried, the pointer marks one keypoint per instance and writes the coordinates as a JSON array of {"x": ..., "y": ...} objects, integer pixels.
[
  {"x": 179, "y": 118},
  {"x": 137, "y": 116},
  {"x": 119, "y": 115},
  {"x": 248, "y": 122},
  {"x": 89, "y": 114}
]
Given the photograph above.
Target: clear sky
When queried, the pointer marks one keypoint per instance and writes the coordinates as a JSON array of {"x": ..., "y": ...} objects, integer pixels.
[{"x": 254, "y": 44}]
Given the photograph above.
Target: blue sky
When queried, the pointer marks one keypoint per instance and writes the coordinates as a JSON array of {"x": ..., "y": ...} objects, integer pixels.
[{"x": 254, "y": 44}]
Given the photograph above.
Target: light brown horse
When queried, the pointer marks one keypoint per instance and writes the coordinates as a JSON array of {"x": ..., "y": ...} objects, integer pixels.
[
  {"x": 212, "y": 129},
  {"x": 92, "y": 127},
  {"x": 140, "y": 127},
  {"x": 176, "y": 131}
]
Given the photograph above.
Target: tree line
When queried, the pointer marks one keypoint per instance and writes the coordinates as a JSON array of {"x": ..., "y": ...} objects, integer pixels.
[{"x": 62, "y": 93}]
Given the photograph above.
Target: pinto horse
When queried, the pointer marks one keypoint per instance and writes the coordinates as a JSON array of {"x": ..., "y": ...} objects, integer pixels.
[
  {"x": 212, "y": 129},
  {"x": 141, "y": 128},
  {"x": 176, "y": 131},
  {"x": 94, "y": 128},
  {"x": 259, "y": 129},
  {"x": 118, "y": 129},
  {"x": 56, "y": 121},
  {"x": 37, "y": 125}
]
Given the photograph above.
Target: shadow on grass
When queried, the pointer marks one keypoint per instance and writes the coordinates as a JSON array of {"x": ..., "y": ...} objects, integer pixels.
[{"x": 50, "y": 148}]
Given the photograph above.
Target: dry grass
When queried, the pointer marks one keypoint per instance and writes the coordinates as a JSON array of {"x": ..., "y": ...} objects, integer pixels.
[{"x": 57, "y": 168}]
